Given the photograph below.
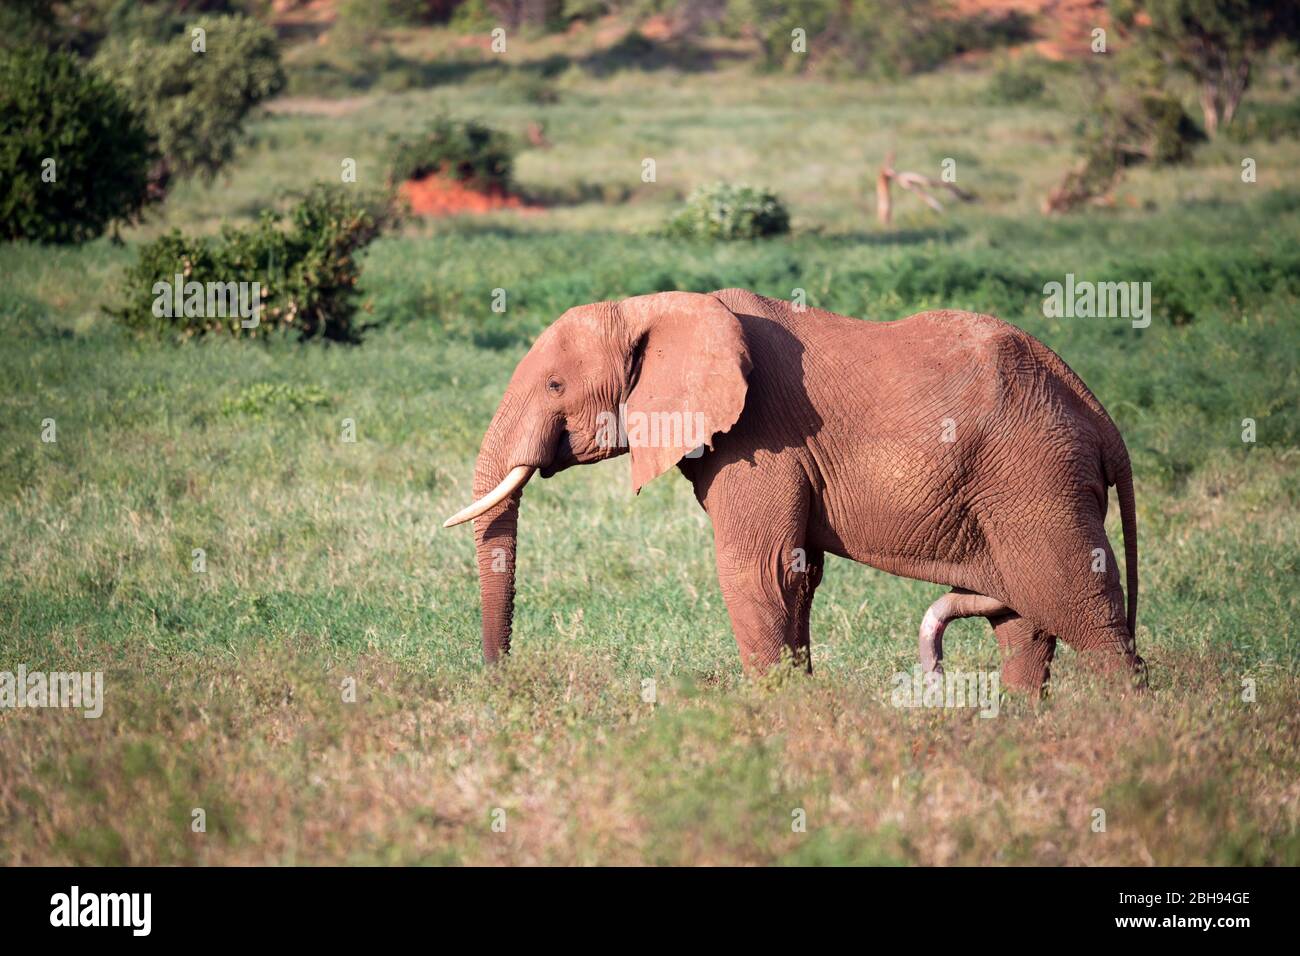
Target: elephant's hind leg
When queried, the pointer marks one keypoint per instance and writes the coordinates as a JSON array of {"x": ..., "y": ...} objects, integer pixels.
[
  {"x": 1065, "y": 578},
  {"x": 957, "y": 603}
]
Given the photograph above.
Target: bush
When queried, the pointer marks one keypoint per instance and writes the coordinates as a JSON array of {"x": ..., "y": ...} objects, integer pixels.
[
  {"x": 725, "y": 211},
  {"x": 27, "y": 23},
  {"x": 262, "y": 398},
  {"x": 306, "y": 269},
  {"x": 347, "y": 67},
  {"x": 126, "y": 19},
  {"x": 80, "y": 26},
  {"x": 1013, "y": 84},
  {"x": 1267, "y": 121},
  {"x": 478, "y": 16},
  {"x": 464, "y": 150},
  {"x": 1130, "y": 121},
  {"x": 195, "y": 102},
  {"x": 530, "y": 86},
  {"x": 887, "y": 38},
  {"x": 473, "y": 16},
  {"x": 51, "y": 110},
  {"x": 585, "y": 9},
  {"x": 369, "y": 16},
  {"x": 1133, "y": 126}
]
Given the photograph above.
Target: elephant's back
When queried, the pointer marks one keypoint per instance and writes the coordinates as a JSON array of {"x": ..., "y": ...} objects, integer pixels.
[
  {"x": 967, "y": 393},
  {"x": 926, "y": 339},
  {"x": 1015, "y": 359},
  {"x": 978, "y": 366}
]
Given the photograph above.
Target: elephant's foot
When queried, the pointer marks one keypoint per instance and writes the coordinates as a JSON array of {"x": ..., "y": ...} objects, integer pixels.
[
  {"x": 1116, "y": 660},
  {"x": 948, "y": 608},
  {"x": 1027, "y": 653}
]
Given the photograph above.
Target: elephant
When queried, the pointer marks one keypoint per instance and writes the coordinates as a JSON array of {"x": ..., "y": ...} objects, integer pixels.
[{"x": 949, "y": 447}]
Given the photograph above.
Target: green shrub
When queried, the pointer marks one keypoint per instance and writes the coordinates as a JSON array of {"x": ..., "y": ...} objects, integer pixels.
[
  {"x": 1136, "y": 125},
  {"x": 1267, "y": 121},
  {"x": 349, "y": 67},
  {"x": 306, "y": 270},
  {"x": 80, "y": 26},
  {"x": 195, "y": 102},
  {"x": 887, "y": 38},
  {"x": 127, "y": 19},
  {"x": 50, "y": 109},
  {"x": 1016, "y": 83},
  {"x": 263, "y": 398},
  {"x": 1130, "y": 120},
  {"x": 370, "y": 14},
  {"x": 367, "y": 15},
  {"x": 530, "y": 86},
  {"x": 585, "y": 9},
  {"x": 27, "y": 23},
  {"x": 464, "y": 150},
  {"x": 726, "y": 211},
  {"x": 473, "y": 16}
]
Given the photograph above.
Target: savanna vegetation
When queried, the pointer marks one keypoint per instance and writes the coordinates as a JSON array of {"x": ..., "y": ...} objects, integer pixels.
[{"x": 244, "y": 534}]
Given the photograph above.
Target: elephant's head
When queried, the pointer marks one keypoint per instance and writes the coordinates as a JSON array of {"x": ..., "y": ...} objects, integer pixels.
[{"x": 657, "y": 376}]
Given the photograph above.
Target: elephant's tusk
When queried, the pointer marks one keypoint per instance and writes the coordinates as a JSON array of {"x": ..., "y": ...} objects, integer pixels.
[{"x": 512, "y": 482}]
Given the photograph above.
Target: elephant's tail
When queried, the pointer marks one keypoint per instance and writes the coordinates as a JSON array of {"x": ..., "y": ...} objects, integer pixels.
[{"x": 1120, "y": 473}]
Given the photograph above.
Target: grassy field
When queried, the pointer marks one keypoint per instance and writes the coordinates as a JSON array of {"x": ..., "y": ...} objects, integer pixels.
[{"x": 326, "y": 561}]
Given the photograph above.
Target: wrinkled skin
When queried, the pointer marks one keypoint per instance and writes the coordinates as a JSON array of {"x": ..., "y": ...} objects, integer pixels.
[{"x": 948, "y": 447}]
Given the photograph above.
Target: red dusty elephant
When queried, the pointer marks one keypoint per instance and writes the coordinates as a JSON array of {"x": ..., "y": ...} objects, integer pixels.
[{"x": 948, "y": 446}]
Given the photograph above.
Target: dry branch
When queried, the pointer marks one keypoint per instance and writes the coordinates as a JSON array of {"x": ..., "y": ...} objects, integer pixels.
[{"x": 913, "y": 182}]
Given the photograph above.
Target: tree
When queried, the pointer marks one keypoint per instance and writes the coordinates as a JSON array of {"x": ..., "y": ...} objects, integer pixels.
[
  {"x": 195, "y": 89},
  {"x": 1215, "y": 42},
  {"x": 74, "y": 157},
  {"x": 27, "y": 23},
  {"x": 513, "y": 14},
  {"x": 1130, "y": 119}
]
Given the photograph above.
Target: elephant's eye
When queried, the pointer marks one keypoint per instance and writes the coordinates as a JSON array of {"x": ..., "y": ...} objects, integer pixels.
[{"x": 555, "y": 386}]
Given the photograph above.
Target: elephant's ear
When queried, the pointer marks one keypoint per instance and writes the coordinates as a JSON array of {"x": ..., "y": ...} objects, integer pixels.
[{"x": 689, "y": 367}]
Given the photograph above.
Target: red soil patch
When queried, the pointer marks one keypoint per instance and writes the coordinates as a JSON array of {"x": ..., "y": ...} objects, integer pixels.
[
  {"x": 658, "y": 28},
  {"x": 474, "y": 40},
  {"x": 299, "y": 13},
  {"x": 1063, "y": 27},
  {"x": 436, "y": 195}
]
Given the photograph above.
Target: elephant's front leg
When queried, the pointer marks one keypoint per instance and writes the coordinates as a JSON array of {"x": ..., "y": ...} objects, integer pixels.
[{"x": 767, "y": 573}]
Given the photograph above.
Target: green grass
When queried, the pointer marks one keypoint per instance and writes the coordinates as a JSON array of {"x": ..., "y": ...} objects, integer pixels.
[{"x": 327, "y": 560}]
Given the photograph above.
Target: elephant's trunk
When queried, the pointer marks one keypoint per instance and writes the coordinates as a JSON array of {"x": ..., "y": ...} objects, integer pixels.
[
  {"x": 495, "y": 536},
  {"x": 515, "y": 445},
  {"x": 521, "y": 439}
]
